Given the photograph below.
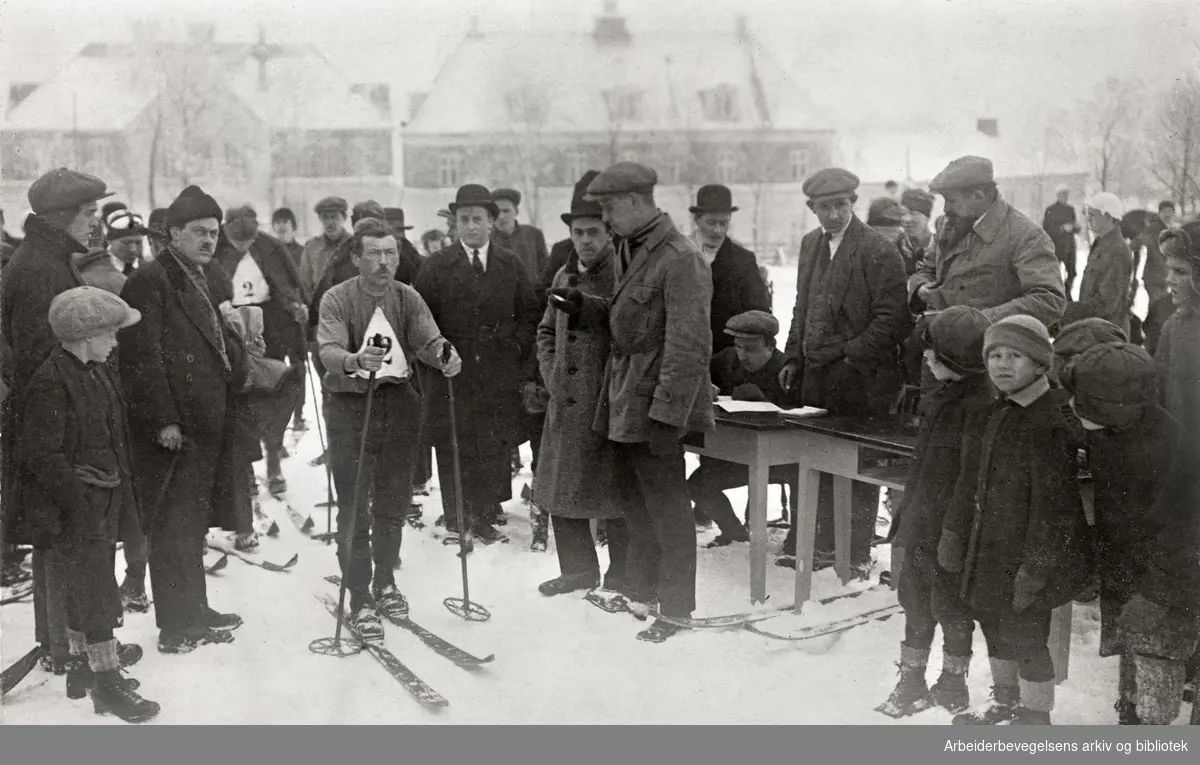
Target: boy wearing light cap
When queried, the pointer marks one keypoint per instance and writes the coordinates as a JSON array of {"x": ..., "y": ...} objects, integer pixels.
[
  {"x": 1104, "y": 290},
  {"x": 78, "y": 489},
  {"x": 1146, "y": 523},
  {"x": 1014, "y": 534},
  {"x": 954, "y": 354}
]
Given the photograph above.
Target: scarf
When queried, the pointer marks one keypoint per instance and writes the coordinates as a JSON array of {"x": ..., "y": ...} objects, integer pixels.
[{"x": 196, "y": 276}]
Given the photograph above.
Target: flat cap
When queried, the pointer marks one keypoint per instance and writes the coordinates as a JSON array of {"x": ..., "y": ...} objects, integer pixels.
[
  {"x": 918, "y": 200},
  {"x": 885, "y": 211},
  {"x": 830, "y": 182},
  {"x": 367, "y": 209},
  {"x": 621, "y": 178},
  {"x": 331, "y": 204},
  {"x": 1112, "y": 384},
  {"x": 62, "y": 189},
  {"x": 963, "y": 173},
  {"x": 192, "y": 204},
  {"x": 512, "y": 195},
  {"x": 81, "y": 312},
  {"x": 752, "y": 324}
]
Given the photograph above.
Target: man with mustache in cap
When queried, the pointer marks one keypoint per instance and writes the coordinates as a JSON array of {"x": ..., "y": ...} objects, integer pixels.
[
  {"x": 185, "y": 362},
  {"x": 483, "y": 299},
  {"x": 61, "y": 225},
  {"x": 656, "y": 387}
]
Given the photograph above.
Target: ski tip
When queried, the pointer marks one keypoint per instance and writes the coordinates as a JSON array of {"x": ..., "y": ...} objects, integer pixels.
[
  {"x": 273, "y": 531},
  {"x": 308, "y": 524}
]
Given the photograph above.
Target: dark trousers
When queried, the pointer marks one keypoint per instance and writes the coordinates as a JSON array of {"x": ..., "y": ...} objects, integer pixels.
[
  {"x": 49, "y": 607},
  {"x": 662, "y": 533},
  {"x": 707, "y": 485},
  {"x": 393, "y": 439},
  {"x": 479, "y": 480},
  {"x": 864, "y": 507},
  {"x": 423, "y": 470},
  {"x": 177, "y": 572},
  {"x": 136, "y": 551},
  {"x": 84, "y": 574},
  {"x": 1022, "y": 637},
  {"x": 919, "y": 587},
  {"x": 577, "y": 549}
]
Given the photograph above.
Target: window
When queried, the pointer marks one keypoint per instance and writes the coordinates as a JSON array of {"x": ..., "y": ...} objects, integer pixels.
[
  {"x": 624, "y": 105},
  {"x": 720, "y": 103},
  {"x": 728, "y": 166},
  {"x": 800, "y": 160},
  {"x": 449, "y": 168}
]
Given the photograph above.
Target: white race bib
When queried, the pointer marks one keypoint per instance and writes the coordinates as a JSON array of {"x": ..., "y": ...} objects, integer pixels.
[
  {"x": 394, "y": 363},
  {"x": 249, "y": 284}
]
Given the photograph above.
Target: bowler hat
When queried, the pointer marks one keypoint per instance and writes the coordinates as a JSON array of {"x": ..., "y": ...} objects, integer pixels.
[
  {"x": 580, "y": 206},
  {"x": 713, "y": 198},
  {"x": 395, "y": 218},
  {"x": 474, "y": 195}
]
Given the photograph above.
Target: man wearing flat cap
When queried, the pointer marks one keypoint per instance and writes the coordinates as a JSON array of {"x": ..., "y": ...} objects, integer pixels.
[
  {"x": 737, "y": 285},
  {"x": 318, "y": 250},
  {"x": 186, "y": 362},
  {"x": 749, "y": 371},
  {"x": 261, "y": 275},
  {"x": 63, "y": 221},
  {"x": 656, "y": 386},
  {"x": 483, "y": 300},
  {"x": 918, "y": 207},
  {"x": 988, "y": 255},
  {"x": 843, "y": 347}
]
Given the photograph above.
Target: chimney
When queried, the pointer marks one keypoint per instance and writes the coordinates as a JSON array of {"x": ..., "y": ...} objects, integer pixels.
[
  {"x": 989, "y": 126},
  {"x": 610, "y": 26}
]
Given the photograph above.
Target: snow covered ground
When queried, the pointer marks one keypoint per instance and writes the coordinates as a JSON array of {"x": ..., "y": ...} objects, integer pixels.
[{"x": 558, "y": 660}]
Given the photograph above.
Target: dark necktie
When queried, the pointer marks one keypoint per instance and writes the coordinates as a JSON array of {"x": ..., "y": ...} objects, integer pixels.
[{"x": 476, "y": 263}]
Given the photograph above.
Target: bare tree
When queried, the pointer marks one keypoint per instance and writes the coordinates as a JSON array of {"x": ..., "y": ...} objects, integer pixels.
[
  {"x": 1109, "y": 120},
  {"x": 1174, "y": 147}
]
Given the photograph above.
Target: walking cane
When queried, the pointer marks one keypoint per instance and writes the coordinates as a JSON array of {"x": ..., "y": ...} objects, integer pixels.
[
  {"x": 461, "y": 607},
  {"x": 335, "y": 646},
  {"x": 312, "y": 384}
]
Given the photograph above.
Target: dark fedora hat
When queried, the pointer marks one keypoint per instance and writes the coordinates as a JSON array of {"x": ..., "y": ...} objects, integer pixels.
[
  {"x": 580, "y": 207},
  {"x": 713, "y": 198},
  {"x": 475, "y": 195},
  {"x": 395, "y": 218}
]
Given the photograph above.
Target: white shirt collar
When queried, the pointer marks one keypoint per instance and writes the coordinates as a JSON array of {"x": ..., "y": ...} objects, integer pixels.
[
  {"x": 483, "y": 252},
  {"x": 835, "y": 238}
]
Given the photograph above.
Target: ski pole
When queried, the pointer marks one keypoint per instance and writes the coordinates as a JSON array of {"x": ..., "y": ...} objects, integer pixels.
[
  {"x": 378, "y": 341},
  {"x": 463, "y": 608}
]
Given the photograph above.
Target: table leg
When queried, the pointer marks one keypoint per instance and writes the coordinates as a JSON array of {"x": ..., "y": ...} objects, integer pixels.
[
  {"x": 758, "y": 530},
  {"x": 807, "y": 490},
  {"x": 841, "y": 527},
  {"x": 1060, "y": 640}
]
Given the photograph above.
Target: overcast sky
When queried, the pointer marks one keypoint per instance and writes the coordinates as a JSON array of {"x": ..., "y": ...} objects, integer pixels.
[{"x": 892, "y": 63}]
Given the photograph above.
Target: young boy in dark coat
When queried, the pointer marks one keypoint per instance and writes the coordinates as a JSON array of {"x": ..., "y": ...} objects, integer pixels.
[
  {"x": 1146, "y": 518},
  {"x": 953, "y": 343},
  {"x": 1014, "y": 532},
  {"x": 74, "y": 452}
]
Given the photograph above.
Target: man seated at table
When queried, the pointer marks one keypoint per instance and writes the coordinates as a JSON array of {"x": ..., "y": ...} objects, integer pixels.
[{"x": 749, "y": 371}]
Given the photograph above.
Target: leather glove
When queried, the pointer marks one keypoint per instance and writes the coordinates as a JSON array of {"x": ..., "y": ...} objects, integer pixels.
[
  {"x": 664, "y": 439},
  {"x": 950, "y": 552},
  {"x": 1140, "y": 614},
  {"x": 569, "y": 300},
  {"x": 1025, "y": 589},
  {"x": 748, "y": 392}
]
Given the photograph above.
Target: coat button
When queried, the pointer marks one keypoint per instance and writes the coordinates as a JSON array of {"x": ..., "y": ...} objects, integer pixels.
[
  {"x": 190, "y": 358},
  {"x": 570, "y": 402},
  {"x": 572, "y": 370},
  {"x": 571, "y": 338},
  {"x": 188, "y": 377}
]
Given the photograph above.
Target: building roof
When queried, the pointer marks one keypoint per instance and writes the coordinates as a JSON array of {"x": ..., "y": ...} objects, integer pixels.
[
  {"x": 918, "y": 156},
  {"x": 106, "y": 87},
  {"x": 563, "y": 79}
]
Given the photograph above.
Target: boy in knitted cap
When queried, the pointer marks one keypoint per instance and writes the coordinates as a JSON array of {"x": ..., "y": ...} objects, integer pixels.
[
  {"x": 78, "y": 489},
  {"x": 954, "y": 353},
  {"x": 1146, "y": 523},
  {"x": 1014, "y": 532}
]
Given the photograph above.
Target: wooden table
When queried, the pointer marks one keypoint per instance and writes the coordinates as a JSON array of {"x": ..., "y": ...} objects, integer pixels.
[{"x": 850, "y": 449}]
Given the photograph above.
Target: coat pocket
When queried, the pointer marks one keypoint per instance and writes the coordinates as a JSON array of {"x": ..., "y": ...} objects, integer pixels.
[{"x": 637, "y": 317}]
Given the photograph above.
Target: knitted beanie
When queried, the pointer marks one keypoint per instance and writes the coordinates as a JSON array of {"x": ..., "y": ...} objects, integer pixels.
[
  {"x": 1112, "y": 383},
  {"x": 1022, "y": 333}
]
